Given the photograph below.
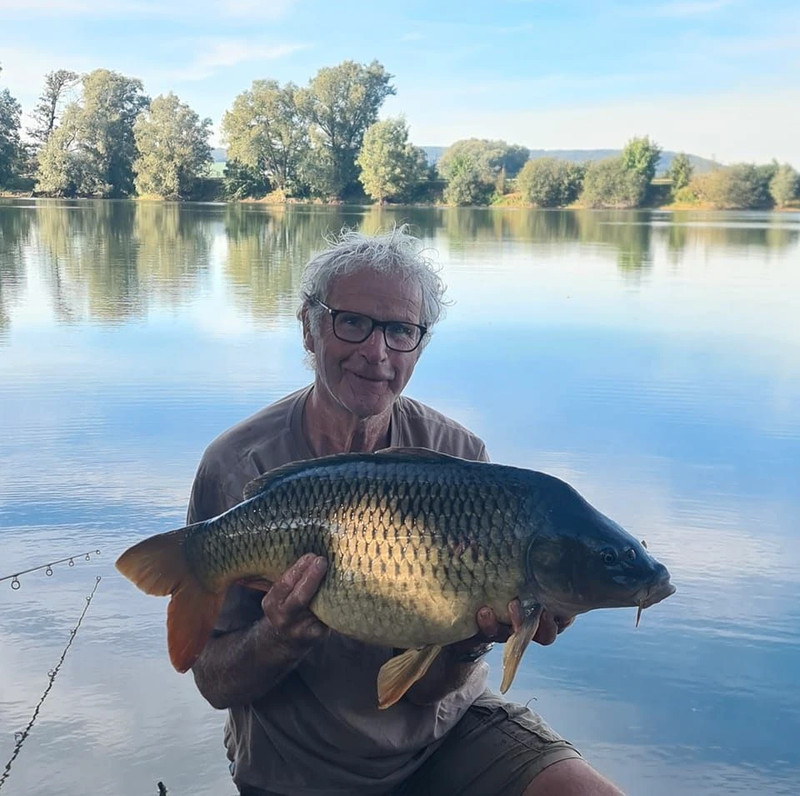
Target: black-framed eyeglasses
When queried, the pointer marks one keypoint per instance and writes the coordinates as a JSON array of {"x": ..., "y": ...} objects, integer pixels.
[{"x": 355, "y": 327}]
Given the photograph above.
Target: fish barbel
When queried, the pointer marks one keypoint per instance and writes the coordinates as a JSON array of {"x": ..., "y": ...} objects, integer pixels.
[{"x": 416, "y": 543}]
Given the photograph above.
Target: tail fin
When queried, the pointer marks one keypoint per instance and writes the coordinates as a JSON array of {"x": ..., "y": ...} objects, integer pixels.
[{"x": 158, "y": 566}]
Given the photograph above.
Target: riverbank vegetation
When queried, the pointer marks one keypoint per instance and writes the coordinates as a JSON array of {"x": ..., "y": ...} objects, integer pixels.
[{"x": 100, "y": 135}]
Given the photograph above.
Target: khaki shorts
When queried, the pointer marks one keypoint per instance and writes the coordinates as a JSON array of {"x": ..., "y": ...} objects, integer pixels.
[{"x": 496, "y": 749}]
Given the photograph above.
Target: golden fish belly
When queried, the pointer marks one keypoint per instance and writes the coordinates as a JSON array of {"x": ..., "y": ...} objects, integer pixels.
[{"x": 408, "y": 564}]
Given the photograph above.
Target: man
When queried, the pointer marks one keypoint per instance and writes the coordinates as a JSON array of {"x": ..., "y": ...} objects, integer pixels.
[{"x": 303, "y": 717}]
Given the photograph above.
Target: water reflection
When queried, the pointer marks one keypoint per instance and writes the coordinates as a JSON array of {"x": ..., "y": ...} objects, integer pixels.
[
  {"x": 112, "y": 260},
  {"x": 651, "y": 359}
]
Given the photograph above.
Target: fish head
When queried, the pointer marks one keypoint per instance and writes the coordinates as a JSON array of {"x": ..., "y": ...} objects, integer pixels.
[{"x": 577, "y": 559}]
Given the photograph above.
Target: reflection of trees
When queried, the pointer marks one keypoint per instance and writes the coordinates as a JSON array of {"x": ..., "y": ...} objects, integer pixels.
[
  {"x": 109, "y": 259},
  {"x": 114, "y": 257},
  {"x": 267, "y": 248},
  {"x": 713, "y": 230},
  {"x": 15, "y": 225},
  {"x": 89, "y": 253},
  {"x": 174, "y": 247},
  {"x": 626, "y": 232}
]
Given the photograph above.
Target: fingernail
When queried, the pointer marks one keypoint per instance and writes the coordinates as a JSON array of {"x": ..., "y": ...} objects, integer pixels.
[
  {"x": 320, "y": 564},
  {"x": 485, "y": 613}
]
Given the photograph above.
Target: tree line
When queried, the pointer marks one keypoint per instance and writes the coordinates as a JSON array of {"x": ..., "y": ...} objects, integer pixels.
[{"x": 100, "y": 135}]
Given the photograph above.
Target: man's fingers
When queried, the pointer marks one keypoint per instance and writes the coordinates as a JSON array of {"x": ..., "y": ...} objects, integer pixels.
[
  {"x": 306, "y": 586},
  {"x": 489, "y": 627},
  {"x": 546, "y": 631},
  {"x": 290, "y": 579}
]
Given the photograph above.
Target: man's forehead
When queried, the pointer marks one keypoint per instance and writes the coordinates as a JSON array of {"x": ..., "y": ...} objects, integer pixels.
[{"x": 377, "y": 288}]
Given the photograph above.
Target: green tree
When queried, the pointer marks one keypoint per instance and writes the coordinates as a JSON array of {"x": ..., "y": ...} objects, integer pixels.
[
  {"x": 742, "y": 186},
  {"x": 680, "y": 171},
  {"x": 641, "y": 155},
  {"x": 242, "y": 182},
  {"x": 479, "y": 167},
  {"x": 172, "y": 148},
  {"x": 10, "y": 113},
  {"x": 390, "y": 166},
  {"x": 94, "y": 152},
  {"x": 46, "y": 114},
  {"x": 608, "y": 183},
  {"x": 340, "y": 103},
  {"x": 550, "y": 182},
  {"x": 266, "y": 132},
  {"x": 466, "y": 182},
  {"x": 60, "y": 163},
  {"x": 785, "y": 185}
]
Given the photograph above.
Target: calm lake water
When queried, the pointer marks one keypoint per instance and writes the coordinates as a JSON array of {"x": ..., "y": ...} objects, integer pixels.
[{"x": 652, "y": 359}]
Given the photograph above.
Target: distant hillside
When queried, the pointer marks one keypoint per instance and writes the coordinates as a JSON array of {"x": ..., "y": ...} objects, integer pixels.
[{"x": 580, "y": 155}]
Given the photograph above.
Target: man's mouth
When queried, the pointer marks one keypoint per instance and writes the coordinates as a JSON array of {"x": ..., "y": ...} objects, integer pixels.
[{"x": 372, "y": 379}]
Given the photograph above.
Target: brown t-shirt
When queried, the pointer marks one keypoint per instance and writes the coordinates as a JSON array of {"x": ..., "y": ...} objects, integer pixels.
[{"x": 320, "y": 731}]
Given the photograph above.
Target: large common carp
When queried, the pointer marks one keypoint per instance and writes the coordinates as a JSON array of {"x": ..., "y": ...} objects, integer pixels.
[{"x": 416, "y": 543}]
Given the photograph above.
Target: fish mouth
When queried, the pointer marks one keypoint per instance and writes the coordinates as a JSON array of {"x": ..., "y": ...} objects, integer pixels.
[{"x": 653, "y": 594}]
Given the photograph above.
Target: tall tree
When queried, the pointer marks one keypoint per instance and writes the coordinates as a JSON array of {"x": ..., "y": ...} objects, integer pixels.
[
  {"x": 266, "y": 133},
  {"x": 60, "y": 162},
  {"x": 390, "y": 166},
  {"x": 93, "y": 153},
  {"x": 640, "y": 156},
  {"x": 339, "y": 104},
  {"x": 680, "y": 171},
  {"x": 46, "y": 114},
  {"x": 172, "y": 148},
  {"x": 111, "y": 102},
  {"x": 785, "y": 185},
  {"x": 10, "y": 113}
]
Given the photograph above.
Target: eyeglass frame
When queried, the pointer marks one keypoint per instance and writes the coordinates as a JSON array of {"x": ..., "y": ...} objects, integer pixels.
[{"x": 375, "y": 324}]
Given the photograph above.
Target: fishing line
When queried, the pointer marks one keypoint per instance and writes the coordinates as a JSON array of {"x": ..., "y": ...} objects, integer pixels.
[
  {"x": 21, "y": 736},
  {"x": 48, "y": 568}
]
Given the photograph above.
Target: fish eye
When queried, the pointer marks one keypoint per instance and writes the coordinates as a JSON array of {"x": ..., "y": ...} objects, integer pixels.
[{"x": 609, "y": 556}]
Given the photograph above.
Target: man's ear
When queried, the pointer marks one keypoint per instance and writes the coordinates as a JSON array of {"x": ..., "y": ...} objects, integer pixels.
[{"x": 308, "y": 338}]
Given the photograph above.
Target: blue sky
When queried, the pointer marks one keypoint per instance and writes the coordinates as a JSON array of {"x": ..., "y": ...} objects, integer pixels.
[{"x": 718, "y": 78}]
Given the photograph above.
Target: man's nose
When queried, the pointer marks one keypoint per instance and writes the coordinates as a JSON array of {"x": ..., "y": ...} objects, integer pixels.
[{"x": 374, "y": 347}]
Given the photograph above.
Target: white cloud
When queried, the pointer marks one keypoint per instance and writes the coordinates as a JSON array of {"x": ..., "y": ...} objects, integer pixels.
[{"x": 223, "y": 53}]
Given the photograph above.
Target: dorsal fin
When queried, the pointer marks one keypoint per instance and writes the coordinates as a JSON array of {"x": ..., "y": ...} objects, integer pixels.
[
  {"x": 263, "y": 482},
  {"x": 417, "y": 455}
]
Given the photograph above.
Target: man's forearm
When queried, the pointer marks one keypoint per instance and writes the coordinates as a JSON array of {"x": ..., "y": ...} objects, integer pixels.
[{"x": 240, "y": 667}]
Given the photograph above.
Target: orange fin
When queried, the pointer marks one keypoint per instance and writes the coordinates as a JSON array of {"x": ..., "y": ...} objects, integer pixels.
[
  {"x": 524, "y": 630},
  {"x": 158, "y": 566},
  {"x": 401, "y": 672}
]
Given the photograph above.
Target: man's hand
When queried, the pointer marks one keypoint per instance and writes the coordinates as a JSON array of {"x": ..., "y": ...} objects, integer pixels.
[
  {"x": 489, "y": 629},
  {"x": 285, "y": 605}
]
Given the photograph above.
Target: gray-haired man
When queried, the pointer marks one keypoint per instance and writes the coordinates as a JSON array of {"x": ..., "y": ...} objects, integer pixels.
[{"x": 303, "y": 717}]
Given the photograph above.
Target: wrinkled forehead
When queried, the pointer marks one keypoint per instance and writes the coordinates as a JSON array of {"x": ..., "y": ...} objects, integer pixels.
[{"x": 376, "y": 293}]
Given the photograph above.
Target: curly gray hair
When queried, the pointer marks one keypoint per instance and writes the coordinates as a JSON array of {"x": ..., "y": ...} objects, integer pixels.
[{"x": 395, "y": 253}]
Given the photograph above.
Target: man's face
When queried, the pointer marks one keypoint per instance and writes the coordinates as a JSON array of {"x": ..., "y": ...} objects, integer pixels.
[{"x": 365, "y": 378}]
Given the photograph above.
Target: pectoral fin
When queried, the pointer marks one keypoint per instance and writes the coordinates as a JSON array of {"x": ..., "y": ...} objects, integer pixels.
[
  {"x": 525, "y": 623},
  {"x": 401, "y": 672}
]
